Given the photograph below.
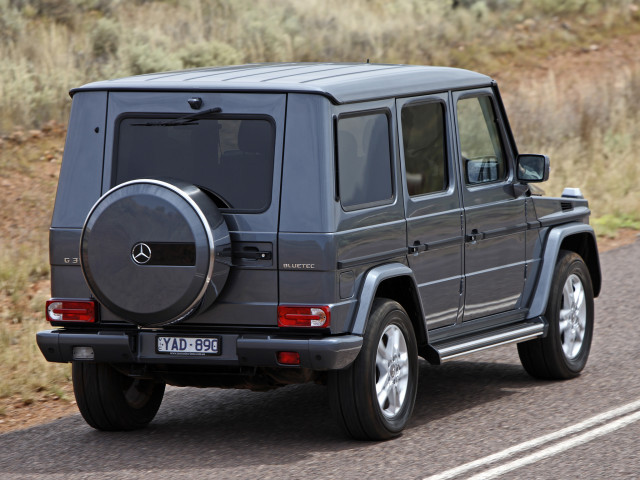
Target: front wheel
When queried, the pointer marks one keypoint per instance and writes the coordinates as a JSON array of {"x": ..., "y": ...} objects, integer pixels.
[
  {"x": 110, "y": 400},
  {"x": 373, "y": 398},
  {"x": 563, "y": 353}
]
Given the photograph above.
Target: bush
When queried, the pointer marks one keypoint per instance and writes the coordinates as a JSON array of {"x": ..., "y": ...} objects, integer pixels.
[
  {"x": 12, "y": 23},
  {"x": 105, "y": 38},
  {"x": 211, "y": 53},
  {"x": 143, "y": 58}
]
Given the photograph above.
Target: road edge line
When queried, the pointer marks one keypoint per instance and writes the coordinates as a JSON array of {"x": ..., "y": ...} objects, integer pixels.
[
  {"x": 559, "y": 447},
  {"x": 508, "y": 452}
]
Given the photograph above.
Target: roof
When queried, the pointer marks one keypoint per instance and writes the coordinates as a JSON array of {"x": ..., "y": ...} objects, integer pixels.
[{"x": 341, "y": 82}]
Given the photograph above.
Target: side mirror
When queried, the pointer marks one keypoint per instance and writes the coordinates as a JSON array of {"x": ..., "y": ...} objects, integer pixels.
[{"x": 532, "y": 168}]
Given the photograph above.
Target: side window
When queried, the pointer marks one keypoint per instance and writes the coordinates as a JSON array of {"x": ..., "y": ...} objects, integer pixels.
[
  {"x": 423, "y": 135},
  {"x": 364, "y": 159},
  {"x": 482, "y": 154}
]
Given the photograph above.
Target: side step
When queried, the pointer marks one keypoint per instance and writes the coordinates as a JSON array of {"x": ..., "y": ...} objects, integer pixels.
[{"x": 443, "y": 350}]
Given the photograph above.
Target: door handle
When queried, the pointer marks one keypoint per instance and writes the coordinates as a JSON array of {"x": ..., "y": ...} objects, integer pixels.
[
  {"x": 248, "y": 253},
  {"x": 474, "y": 236},
  {"x": 417, "y": 247}
]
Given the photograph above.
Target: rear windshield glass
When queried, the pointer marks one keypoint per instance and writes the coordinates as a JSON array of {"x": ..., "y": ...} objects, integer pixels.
[{"x": 232, "y": 158}]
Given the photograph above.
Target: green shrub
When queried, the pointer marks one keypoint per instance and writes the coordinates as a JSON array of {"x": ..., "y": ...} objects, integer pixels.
[
  {"x": 12, "y": 23},
  {"x": 105, "y": 38},
  {"x": 209, "y": 54},
  {"x": 143, "y": 58},
  {"x": 56, "y": 10}
]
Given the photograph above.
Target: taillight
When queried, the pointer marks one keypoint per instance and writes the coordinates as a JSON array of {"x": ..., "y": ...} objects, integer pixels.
[
  {"x": 59, "y": 310},
  {"x": 311, "y": 317}
]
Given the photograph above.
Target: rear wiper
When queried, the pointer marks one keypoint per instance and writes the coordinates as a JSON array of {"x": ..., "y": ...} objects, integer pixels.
[{"x": 186, "y": 120}]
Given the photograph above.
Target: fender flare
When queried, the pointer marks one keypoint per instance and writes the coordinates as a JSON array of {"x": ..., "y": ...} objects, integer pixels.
[
  {"x": 551, "y": 249},
  {"x": 373, "y": 279}
]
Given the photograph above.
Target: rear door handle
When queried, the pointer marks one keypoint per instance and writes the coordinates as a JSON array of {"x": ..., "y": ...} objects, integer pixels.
[
  {"x": 474, "y": 236},
  {"x": 417, "y": 247},
  {"x": 248, "y": 253}
]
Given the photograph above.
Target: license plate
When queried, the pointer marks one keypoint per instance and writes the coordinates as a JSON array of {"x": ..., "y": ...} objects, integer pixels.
[{"x": 193, "y": 346}]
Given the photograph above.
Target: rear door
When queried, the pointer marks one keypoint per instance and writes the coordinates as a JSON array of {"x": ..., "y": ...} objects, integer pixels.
[
  {"x": 495, "y": 226},
  {"x": 235, "y": 155},
  {"x": 432, "y": 205}
]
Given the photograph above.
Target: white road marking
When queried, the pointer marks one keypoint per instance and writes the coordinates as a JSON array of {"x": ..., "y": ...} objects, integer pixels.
[
  {"x": 559, "y": 447},
  {"x": 530, "y": 444}
]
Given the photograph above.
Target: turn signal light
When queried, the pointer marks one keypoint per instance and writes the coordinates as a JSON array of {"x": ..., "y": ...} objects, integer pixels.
[
  {"x": 71, "y": 310},
  {"x": 314, "y": 317},
  {"x": 288, "y": 358}
]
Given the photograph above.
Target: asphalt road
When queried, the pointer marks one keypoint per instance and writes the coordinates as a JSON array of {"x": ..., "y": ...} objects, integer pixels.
[{"x": 466, "y": 411}]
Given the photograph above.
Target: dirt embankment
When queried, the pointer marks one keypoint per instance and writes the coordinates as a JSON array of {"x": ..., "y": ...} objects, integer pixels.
[{"x": 595, "y": 63}]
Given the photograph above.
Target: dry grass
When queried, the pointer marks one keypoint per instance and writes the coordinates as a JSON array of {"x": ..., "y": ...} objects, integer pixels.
[
  {"x": 29, "y": 162},
  {"x": 48, "y": 46},
  {"x": 589, "y": 130}
]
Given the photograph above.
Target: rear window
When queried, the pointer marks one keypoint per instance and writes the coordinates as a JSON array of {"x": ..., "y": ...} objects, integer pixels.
[
  {"x": 364, "y": 160},
  {"x": 232, "y": 157}
]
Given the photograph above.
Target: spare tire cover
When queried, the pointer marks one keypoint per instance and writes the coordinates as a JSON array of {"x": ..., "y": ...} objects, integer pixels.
[{"x": 148, "y": 248}]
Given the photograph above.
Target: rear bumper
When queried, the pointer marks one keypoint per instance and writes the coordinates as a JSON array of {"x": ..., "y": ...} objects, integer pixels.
[{"x": 326, "y": 353}]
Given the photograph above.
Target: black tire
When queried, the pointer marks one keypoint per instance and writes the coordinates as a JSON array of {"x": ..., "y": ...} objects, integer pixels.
[
  {"x": 352, "y": 391},
  {"x": 109, "y": 400},
  {"x": 546, "y": 358}
]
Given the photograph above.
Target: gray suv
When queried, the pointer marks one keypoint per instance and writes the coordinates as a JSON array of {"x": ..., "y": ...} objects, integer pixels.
[{"x": 261, "y": 225}]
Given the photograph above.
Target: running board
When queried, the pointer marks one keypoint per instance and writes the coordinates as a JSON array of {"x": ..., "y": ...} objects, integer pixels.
[{"x": 447, "y": 349}]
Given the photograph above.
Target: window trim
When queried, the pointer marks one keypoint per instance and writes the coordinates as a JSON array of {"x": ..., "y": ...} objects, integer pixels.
[
  {"x": 362, "y": 113},
  {"x": 447, "y": 152},
  {"x": 176, "y": 115}
]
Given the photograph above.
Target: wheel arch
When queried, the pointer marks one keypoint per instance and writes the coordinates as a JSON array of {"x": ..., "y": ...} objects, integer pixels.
[
  {"x": 396, "y": 282},
  {"x": 576, "y": 237},
  {"x": 584, "y": 244}
]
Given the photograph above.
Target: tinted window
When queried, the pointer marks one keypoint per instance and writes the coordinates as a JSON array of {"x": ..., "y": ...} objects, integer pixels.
[
  {"x": 482, "y": 155},
  {"x": 424, "y": 148},
  {"x": 364, "y": 159},
  {"x": 230, "y": 157}
]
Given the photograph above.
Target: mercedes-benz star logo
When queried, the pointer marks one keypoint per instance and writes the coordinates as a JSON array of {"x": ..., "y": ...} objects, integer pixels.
[{"x": 141, "y": 253}]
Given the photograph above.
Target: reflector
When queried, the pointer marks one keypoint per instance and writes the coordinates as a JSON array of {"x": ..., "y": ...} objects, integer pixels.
[{"x": 288, "y": 358}]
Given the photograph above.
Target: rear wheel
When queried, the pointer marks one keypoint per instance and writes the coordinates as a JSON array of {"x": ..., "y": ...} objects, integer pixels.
[
  {"x": 563, "y": 353},
  {"x": 110, "y": 400},
  {"x": 373, "y": 398}
]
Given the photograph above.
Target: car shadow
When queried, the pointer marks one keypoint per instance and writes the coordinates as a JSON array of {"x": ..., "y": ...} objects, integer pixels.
[
  {"x": 461, "y": 385},
  {"x": 213, "y": 428}
]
